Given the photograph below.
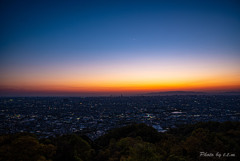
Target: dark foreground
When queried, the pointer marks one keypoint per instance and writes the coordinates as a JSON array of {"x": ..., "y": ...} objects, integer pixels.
[{"x": 137, "y": 142}]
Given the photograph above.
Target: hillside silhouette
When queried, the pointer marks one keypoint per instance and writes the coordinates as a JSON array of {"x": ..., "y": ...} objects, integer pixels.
[{"x": 136, "y": 142}]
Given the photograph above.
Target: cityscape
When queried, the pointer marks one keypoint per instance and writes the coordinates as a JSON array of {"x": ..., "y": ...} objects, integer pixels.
[{"x": 94, "y": 116}]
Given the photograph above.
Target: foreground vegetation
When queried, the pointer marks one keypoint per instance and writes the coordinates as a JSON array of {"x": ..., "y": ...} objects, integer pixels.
[{"x": 137, "y": 142}]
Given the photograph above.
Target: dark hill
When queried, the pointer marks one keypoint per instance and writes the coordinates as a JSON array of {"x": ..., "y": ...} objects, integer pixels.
[
  {"x": 138, "y": 142},
  {"x": 175, "y": 93},
  {"x": 147, "y": 133}
]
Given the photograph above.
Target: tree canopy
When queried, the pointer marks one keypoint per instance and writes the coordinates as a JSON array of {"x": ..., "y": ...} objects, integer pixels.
[{"x": 136, "y": 142}]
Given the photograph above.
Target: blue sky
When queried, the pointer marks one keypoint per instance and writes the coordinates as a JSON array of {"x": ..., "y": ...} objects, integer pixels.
[{"x": 94, "y": 26}]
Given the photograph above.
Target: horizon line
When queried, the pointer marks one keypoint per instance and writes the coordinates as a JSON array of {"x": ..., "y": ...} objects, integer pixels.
[{"x": 117, "y": 94}]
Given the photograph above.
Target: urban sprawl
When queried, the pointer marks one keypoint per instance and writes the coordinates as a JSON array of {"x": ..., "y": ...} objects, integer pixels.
[{"x": 94, "y": 116}]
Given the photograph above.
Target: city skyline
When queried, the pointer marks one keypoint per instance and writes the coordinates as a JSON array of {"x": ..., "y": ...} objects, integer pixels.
[{"x": 118, "y": 47}]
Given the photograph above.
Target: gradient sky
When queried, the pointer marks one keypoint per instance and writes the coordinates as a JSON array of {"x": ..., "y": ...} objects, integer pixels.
[{"x": 118, "y": 46}]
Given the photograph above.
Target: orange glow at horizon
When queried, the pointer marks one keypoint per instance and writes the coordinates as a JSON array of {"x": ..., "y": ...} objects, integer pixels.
[
  {"x": 128, "y": 86},
  {"x": 142, "y": 75}
]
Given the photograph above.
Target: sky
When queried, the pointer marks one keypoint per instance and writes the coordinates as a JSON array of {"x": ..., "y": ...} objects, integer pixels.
[{"x": 118, "y": 47}]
